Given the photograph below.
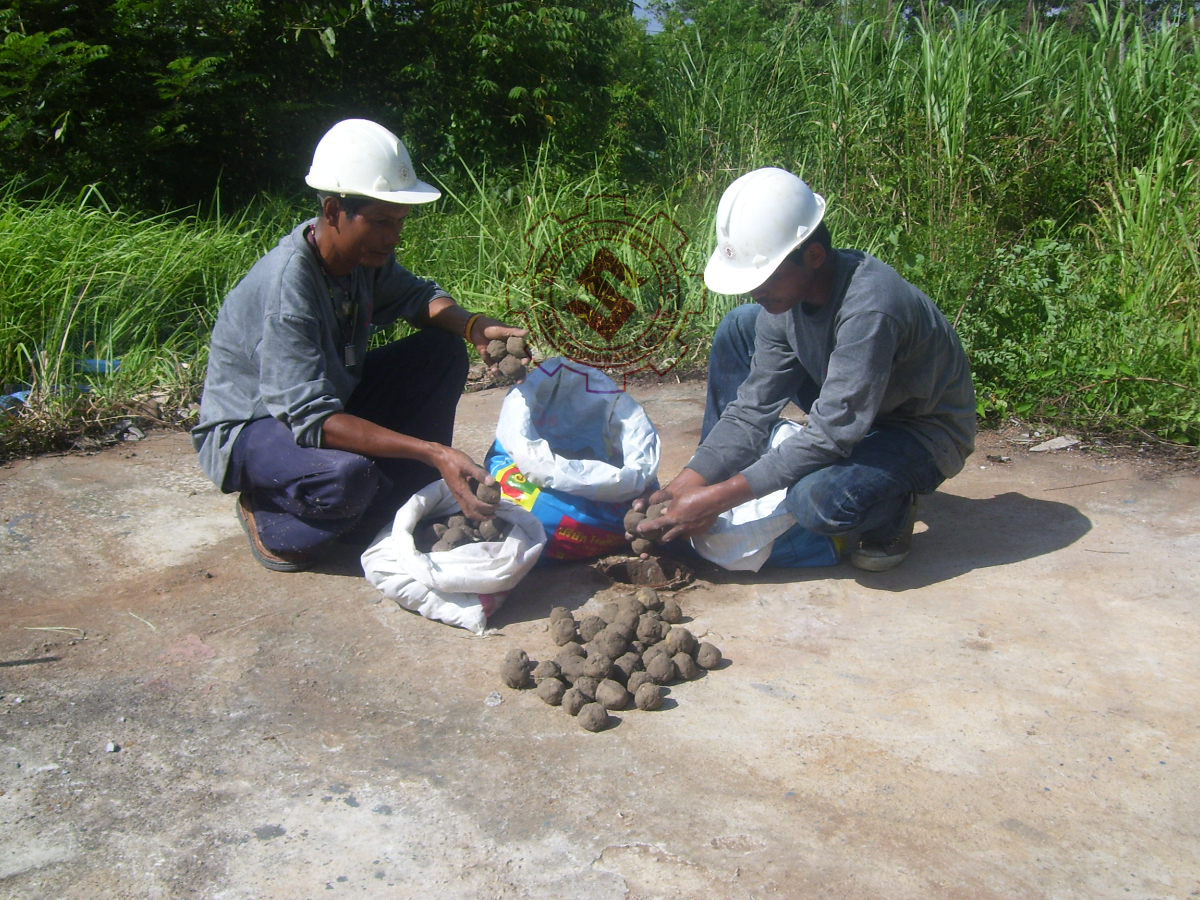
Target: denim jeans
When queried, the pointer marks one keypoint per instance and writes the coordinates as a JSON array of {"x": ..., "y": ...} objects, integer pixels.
[
  {"x": 305, "y": 496},
  {"x": 866, "y": 493}
]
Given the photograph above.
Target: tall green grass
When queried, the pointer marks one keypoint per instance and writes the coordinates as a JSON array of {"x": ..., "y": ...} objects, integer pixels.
[{"x": 1041, "y": 183}]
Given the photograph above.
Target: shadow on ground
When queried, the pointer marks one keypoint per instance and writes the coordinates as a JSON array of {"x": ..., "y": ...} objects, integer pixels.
[{"x": 963, "y": 534}]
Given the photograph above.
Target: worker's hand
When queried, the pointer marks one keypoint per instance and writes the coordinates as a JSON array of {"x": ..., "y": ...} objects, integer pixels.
[
  {"x": 458, "y": 469},
  {"x": 686, "y": 480},
  {"x": 688, "y": 512},
  {"x": 693, "y": 505},
  {"x": 486, "y": 330}
]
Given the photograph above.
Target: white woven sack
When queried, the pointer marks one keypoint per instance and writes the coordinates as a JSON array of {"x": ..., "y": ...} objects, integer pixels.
[
  {"x": 462, "y": 586},
  {"x": 742, "y": 538},
  {"x": 569, "y": 427}
]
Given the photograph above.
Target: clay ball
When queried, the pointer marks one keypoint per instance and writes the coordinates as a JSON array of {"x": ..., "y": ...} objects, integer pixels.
[
  {"x": 671, "y": 612},
  {"x": 496, "y": 348},
  {"x": 633, "y": 518},
  {"x": 661, "y": 669},
  {"x": 597, "y": 666},
  {"x": 551, "y": 690},
  {"x": 648, "y": 696},
  {"x": 609, "y": 612},
  {"x": 514, "y": 675},
  {"x": 631, "y": 606},
  {"x": 636, "y": 680},
  {"x": 586, "y": 685},
  {"x": 488, "y": 493},
  {"x": 517, "y": 656},
  {"x": 511, "y": 367},
  {"x": 611, "y": 694},
  {"x": 456, "y": 521},
  {"x": 515, "y": 346},
  {"x": 547, "y": 668},
  {"x": 590, "y": 627},
  {"x": 708, "y": 656},
  {"x": 624, "y": 666},
  {"x": 648, "y": 597},
  {"x": 563, "y": 631},
  {"x": 573, "y": 701},
  {"x": 641, "y": 545},
  {"x": 593, "y": 717},
  {"x": 456, "y": 536},
  {"x": 490, "y": 531},
  {"x": 571, "y": 666},
  {"x": 560, "y": 612},
  {"x": 686, "y": 666},
  {"x": 611, "y": 642},
  {"x": 649, "y": 630},
  {"x": 680, "y": 640}
]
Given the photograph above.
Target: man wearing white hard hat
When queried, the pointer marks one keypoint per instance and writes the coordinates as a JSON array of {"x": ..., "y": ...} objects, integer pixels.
[
  {"x": 317, "y": 434},
  {"x": 870, "y": 358}
]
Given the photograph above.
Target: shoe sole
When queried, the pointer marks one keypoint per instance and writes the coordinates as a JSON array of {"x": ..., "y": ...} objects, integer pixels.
[
  {"x": 876, "y": 563},
  {"x": 262, "y": 555}
]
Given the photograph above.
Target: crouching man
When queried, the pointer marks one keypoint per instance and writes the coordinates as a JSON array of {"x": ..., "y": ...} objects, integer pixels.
[
  {"x": 869, "y": 357},
  {"x": 315, "y": 433}
]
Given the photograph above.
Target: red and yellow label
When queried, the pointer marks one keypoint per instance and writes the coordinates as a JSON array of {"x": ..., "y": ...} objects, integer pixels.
[
  {"x": 516, "y": 488},
  {"x": 574, "y": 540}
]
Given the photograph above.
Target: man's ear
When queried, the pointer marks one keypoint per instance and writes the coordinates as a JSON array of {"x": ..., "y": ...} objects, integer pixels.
[
  {"x": 330, "y": 210},
  {"x": 815, "y": 256}
]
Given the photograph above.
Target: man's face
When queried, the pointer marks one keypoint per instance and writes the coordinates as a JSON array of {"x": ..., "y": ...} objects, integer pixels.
[
  {"x": 371, "y": 236},
  {"x": 790, "y": 284}
]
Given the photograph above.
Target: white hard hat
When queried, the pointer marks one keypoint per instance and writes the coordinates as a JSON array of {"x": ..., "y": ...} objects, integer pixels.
[
  {"x": 360, "y": 157},
  {"x": 762, "y": 217}
]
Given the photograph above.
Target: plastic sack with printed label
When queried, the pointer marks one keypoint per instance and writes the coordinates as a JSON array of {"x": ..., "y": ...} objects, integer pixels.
[
  {"x": 462, "y": 586},
  {"x": 574, "y": 449},
  {"x": 762, "y": 532}
]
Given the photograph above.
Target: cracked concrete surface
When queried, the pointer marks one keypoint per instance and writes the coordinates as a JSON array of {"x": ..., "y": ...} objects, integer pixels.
[{"x": 1011, "y": 713}]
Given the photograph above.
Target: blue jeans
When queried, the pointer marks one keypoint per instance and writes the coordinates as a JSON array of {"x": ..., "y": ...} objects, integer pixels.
[
  {"x": 305, "y": 496},
  {"x": 866, "y": 493}
]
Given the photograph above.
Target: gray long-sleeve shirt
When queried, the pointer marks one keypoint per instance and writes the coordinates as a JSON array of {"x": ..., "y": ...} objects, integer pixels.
[
  {"x": 288, "y": 343},
  {"x": 880, "y": 352}
]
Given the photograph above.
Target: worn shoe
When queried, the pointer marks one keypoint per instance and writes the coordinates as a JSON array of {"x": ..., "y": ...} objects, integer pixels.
[
  {"x": 875, "y": 556},
  {"x": 275, "y": 560}
]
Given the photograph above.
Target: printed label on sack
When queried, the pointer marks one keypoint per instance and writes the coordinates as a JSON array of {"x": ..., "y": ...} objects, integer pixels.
[
  {"x": 575, "y": 540},
  {"x": 516, "y": 488}
]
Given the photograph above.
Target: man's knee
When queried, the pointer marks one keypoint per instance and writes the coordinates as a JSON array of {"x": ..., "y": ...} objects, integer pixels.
[
  {"x": 826, "y": 504},
  {"x": 345, "y": 488}
]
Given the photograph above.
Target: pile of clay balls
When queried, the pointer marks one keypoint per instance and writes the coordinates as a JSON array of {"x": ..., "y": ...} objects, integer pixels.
[{"x": 624, "y": 655}]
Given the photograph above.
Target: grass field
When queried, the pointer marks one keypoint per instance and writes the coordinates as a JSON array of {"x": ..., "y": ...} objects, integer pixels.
[{"x": 1042, "y": 185}]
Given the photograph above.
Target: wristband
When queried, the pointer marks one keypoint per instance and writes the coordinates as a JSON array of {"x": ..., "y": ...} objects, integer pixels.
[{"x": 470, "y": 326}]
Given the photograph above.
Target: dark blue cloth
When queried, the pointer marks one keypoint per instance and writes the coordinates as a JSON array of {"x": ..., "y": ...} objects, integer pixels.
[
  {"x": 304, "y": 496},
  {"x": 866, "y": 493}
]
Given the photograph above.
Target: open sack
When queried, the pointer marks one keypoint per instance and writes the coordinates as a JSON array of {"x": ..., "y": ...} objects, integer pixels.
[
  {"x": 462, "y": 586},
  {"x": 762, "y": 532},
  {"x": 574, "y": 449}
]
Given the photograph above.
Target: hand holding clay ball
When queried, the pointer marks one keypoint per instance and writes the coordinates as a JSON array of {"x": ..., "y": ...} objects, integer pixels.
[
  {"x": 509, "y": 356},
  {"x": 488, "y": 493}
]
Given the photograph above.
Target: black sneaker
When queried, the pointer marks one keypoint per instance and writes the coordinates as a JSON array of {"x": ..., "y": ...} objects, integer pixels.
[
  {"x": 880, "y": 556},
  {"x": 275, "y": 560}
]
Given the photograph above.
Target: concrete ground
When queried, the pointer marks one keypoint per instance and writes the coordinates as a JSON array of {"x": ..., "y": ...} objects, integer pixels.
[{"x": 1013, "y": 712}]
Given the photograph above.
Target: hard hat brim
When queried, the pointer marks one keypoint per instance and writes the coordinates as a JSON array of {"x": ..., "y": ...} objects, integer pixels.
[
  {"x": 421, "y": 192},
  {"x": 722, "y": 278}
]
